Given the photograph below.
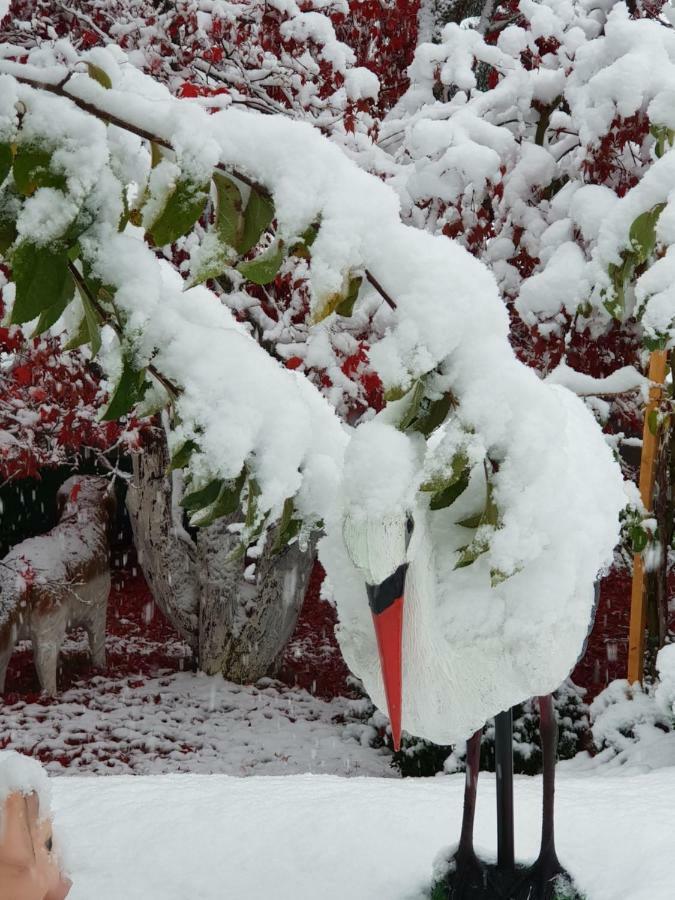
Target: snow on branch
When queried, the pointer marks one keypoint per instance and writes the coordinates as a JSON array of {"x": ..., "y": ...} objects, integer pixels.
[{"x": 102, "y": 167}]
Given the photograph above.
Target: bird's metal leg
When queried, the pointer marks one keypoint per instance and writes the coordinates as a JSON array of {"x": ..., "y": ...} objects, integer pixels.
[
  {"x": 465, "y": 849},
  {"x": 467, "y": 877},
  {"x": 546, "y": 879},
  {"x": 504, "y": 782}
]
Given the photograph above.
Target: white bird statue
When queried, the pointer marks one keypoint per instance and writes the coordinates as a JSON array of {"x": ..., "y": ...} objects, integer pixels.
[{"x": 462, "y": 633}]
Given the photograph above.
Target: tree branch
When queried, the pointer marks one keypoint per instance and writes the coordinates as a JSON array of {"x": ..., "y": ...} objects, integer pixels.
[
  {"x": 146, "y": 135},
  {"x": 172, "y": 389}
]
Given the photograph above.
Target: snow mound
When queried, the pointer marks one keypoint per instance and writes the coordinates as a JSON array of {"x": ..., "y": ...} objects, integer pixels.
[{"x": 19, "y": 774}]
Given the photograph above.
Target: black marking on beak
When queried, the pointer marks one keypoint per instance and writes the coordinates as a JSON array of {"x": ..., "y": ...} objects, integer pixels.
[{"x": 381, "y": 596}]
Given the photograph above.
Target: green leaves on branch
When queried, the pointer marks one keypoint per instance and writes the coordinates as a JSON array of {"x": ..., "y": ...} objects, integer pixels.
[
  {"x": 258, "y": 217},
  {"x": 32, "y": 170},
  {"x": 229, "y": 211},
  {"x": 183, "y": 207},
  {"x": 642, "y": 237},
  {"x": 288, "y": 527},
  {"x": 642, "y": 233},
  {"x": 181, "y": 454},
  {"x": 129, "y": 390},
  {"x": 97, "y": 73},
  {"x": 639, "y": 538},
  {"x": 40, "y": 275},
  {"x": 342, "y": 302},
  {"x": 213, "y": 501},
  {"x": 5, "y": 161},
  {"x": 262, "y": 269},
  {"x": 49, "y": 316},
  {"x": 447, "y": 488},
  {"x": 489, "y": 518},
  {"x": 663, "y": 136}
]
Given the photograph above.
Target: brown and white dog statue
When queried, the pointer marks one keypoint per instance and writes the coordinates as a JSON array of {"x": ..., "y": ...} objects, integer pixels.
[{"x": 60, "y": 580}]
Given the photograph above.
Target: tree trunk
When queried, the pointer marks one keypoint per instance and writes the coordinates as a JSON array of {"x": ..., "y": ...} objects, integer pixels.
[
  {"x": 166, "y": 554},
  {"x": 234, "y": 626}
]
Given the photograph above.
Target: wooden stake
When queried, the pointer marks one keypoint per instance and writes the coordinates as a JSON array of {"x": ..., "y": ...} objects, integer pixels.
[{"x": 658, "y": 364}]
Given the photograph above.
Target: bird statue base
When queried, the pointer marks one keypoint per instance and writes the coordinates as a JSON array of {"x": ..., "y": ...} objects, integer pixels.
[{"x": 487, "y": 881}]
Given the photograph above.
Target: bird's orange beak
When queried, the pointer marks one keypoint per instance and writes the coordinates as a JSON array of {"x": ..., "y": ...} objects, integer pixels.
[{"x": 386, "y": 605}]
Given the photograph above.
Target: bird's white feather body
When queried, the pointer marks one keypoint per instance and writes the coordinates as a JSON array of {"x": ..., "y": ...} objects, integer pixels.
[{"x": 471, "y": 649}]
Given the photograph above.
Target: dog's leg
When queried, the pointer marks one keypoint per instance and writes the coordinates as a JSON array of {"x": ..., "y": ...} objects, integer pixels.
[
  {"x": 5, "y": 656},
  {"x": 47, "y": 639},
  {"x": 95, "y": 621},
  {"x": 95, "y": 627}
]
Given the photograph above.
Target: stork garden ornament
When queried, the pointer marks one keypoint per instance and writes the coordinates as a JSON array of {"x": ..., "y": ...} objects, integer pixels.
[{"x": 473, "y": 552}]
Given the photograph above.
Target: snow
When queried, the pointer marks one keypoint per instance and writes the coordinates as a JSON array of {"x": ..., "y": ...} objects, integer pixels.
[
  {"x": 184, "y": 722},
  {"x": 19, "y": 773},
  {"x": 210, "y": 837},
  {"x": 620, "y": 381}
]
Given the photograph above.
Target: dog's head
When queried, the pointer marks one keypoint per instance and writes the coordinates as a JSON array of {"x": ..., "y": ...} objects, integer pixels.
[{"x": 88, "y": 492}]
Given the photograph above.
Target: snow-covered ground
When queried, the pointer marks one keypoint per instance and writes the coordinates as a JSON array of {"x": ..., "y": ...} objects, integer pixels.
[
  {"x": 303, "y": 837},
  {"x": 188, "y": 722}
]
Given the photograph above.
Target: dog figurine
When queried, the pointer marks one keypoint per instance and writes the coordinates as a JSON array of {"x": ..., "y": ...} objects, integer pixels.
[{"x": 60, "y": 580}]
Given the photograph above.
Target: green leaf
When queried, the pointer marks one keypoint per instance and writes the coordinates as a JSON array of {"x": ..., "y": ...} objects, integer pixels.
[
  {"x": 615, "y": 299},
  {"x": 156, "y": 154},
  {"x": 655, "y": 342},
  {"x": 639, "y": 538},
  {"x": 50, "y": 315},
  {"x": 395, "y": 393},
  {"x": 10, "y": 207},
  {"x": 489, "y": 517},
  {"x": 31, "y": 169},
  {"x": 252, "y": 505},
  {"x": 469, "y": 555},
  {"x": 229, "y": 211},
  {"x": 471, "y": 521},
  {"x": 80, "y": 336},
  {"x": 413, "y": 398},
  {"x": 263, "y": 268},
  {"x": 129, "y": 390},
  {"x": 182, "y": 209},
  {"x": 288, "y": 526},
  {"x": 93, "y": 323},
  {"x": 213, "y": 260},
  {"x": 181, "y": 455},
  {"x": 642, "y": 233},
  {"x": 435, "y": 414},
  {"x": 97, "y": 73},
  {"x": 346, "y": 308},
  {"x": 498, "y": 577},
  {"x": 225, "y": 503},
  {"x": 202, "y": 497},
  {"x": 5, "y": 161},
  {"x": 258, "y": 217},
  {"x": 460, "y": 462},
  {"x": 446, "y": 497},
  {"x": 40, "y": 274},
  {"x": 653, "y": 421}
]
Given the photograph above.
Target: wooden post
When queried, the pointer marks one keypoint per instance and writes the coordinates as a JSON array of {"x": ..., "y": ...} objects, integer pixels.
[{"x": 658, "y": 364}]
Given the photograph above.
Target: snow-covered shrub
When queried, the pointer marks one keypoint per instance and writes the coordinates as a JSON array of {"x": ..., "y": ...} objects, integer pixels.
[
  {"x": 423, "y": 758},
  {"x": 626, "y": 719}
]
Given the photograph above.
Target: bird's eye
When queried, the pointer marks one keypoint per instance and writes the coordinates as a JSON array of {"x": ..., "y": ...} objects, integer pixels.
[
  {"x": 49, "y": 844},
  {"x": 409, "y": 528}
]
